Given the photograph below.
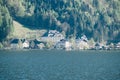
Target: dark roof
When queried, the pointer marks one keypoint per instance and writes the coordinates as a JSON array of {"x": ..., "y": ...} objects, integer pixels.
[
  {"x": 23, "y": 40},
  {"x": 97, "y": 44},
  {"x": 45, "y": 34},
  {"x": 37, "y": 42},
  {"x": 63, "y": 40},
  {"x": 15, "y": 41}
]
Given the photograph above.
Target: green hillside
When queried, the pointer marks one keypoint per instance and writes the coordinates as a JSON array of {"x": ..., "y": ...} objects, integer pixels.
[
  {"x": 22, "y": 32},
  {"x": 97, "y": 19}
]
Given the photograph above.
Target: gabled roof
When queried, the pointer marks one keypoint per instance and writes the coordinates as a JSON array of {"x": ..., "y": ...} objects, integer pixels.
[
  {"x": 84, "y": 38},
  {"x": 37, "y": 41},
  {"x": 45, "y": 34},
  {"x": 97, "y": 44},
  {"x": 15, "y": 41}
]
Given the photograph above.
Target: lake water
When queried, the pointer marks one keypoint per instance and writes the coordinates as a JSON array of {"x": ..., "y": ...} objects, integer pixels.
[{"x": 59, "y": 65}]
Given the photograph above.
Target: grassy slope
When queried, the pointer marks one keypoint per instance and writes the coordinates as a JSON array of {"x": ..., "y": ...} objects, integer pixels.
[{"x": 22, "y": 32}]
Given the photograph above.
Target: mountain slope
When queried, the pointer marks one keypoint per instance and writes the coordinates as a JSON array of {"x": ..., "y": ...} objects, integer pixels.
[{"x": 97, "y": 19}]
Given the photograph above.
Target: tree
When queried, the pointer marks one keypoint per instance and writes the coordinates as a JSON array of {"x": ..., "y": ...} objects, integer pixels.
[{"x": 5, "y": 23}]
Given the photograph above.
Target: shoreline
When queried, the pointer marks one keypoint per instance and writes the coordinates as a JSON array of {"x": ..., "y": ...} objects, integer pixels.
[{"x": 57, "y": 50}]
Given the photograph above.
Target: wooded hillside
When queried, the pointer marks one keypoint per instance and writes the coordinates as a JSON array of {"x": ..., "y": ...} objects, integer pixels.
[{"x": 97, "y": 19}]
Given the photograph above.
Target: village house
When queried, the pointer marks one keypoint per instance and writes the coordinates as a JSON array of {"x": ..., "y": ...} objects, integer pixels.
[
  {"x": 100, "y": 46},
  {"x": 41, "y": 46},
  {"x": 35, "y": 44},
  {"x": 25, "y": 44},
  {"x": 68, "y": 46},
  {"x": 14, "y": 44},
  {"x": 60, "y": 44},
  {"x": 63, "y": 44},
  {"x": 118, "y": 45},
  {"x": 81, "y": 44},
  {"x": 84, "y": 38},
  {"x": 52, "y": 36}
]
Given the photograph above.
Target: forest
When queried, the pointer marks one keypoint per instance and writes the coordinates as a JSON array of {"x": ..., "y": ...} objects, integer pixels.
[{"x": 97, "y": 19}]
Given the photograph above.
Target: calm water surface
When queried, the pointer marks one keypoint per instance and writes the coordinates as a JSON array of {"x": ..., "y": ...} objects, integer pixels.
[{"x": 59, "y": 65}]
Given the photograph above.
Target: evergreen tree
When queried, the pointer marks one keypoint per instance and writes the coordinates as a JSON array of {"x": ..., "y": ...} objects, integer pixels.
[{"x": 5, "y": 22}]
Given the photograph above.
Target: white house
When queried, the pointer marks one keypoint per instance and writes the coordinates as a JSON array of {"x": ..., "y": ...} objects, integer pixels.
[
  {"x": 84, "y": 38},
  {"x": 41, "y": 45},
  {"x": 98, "y": 46},
  {"x": 14, "y": 44},
  {"x": 80, "y": 44},
  {"x": 52, "y": 36},
  {"x": 118, "y": 45},
  {"x": 68, "y": 45},
  {"x": 63, "y": 44},
  {"x": 26, "y": 44}
]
